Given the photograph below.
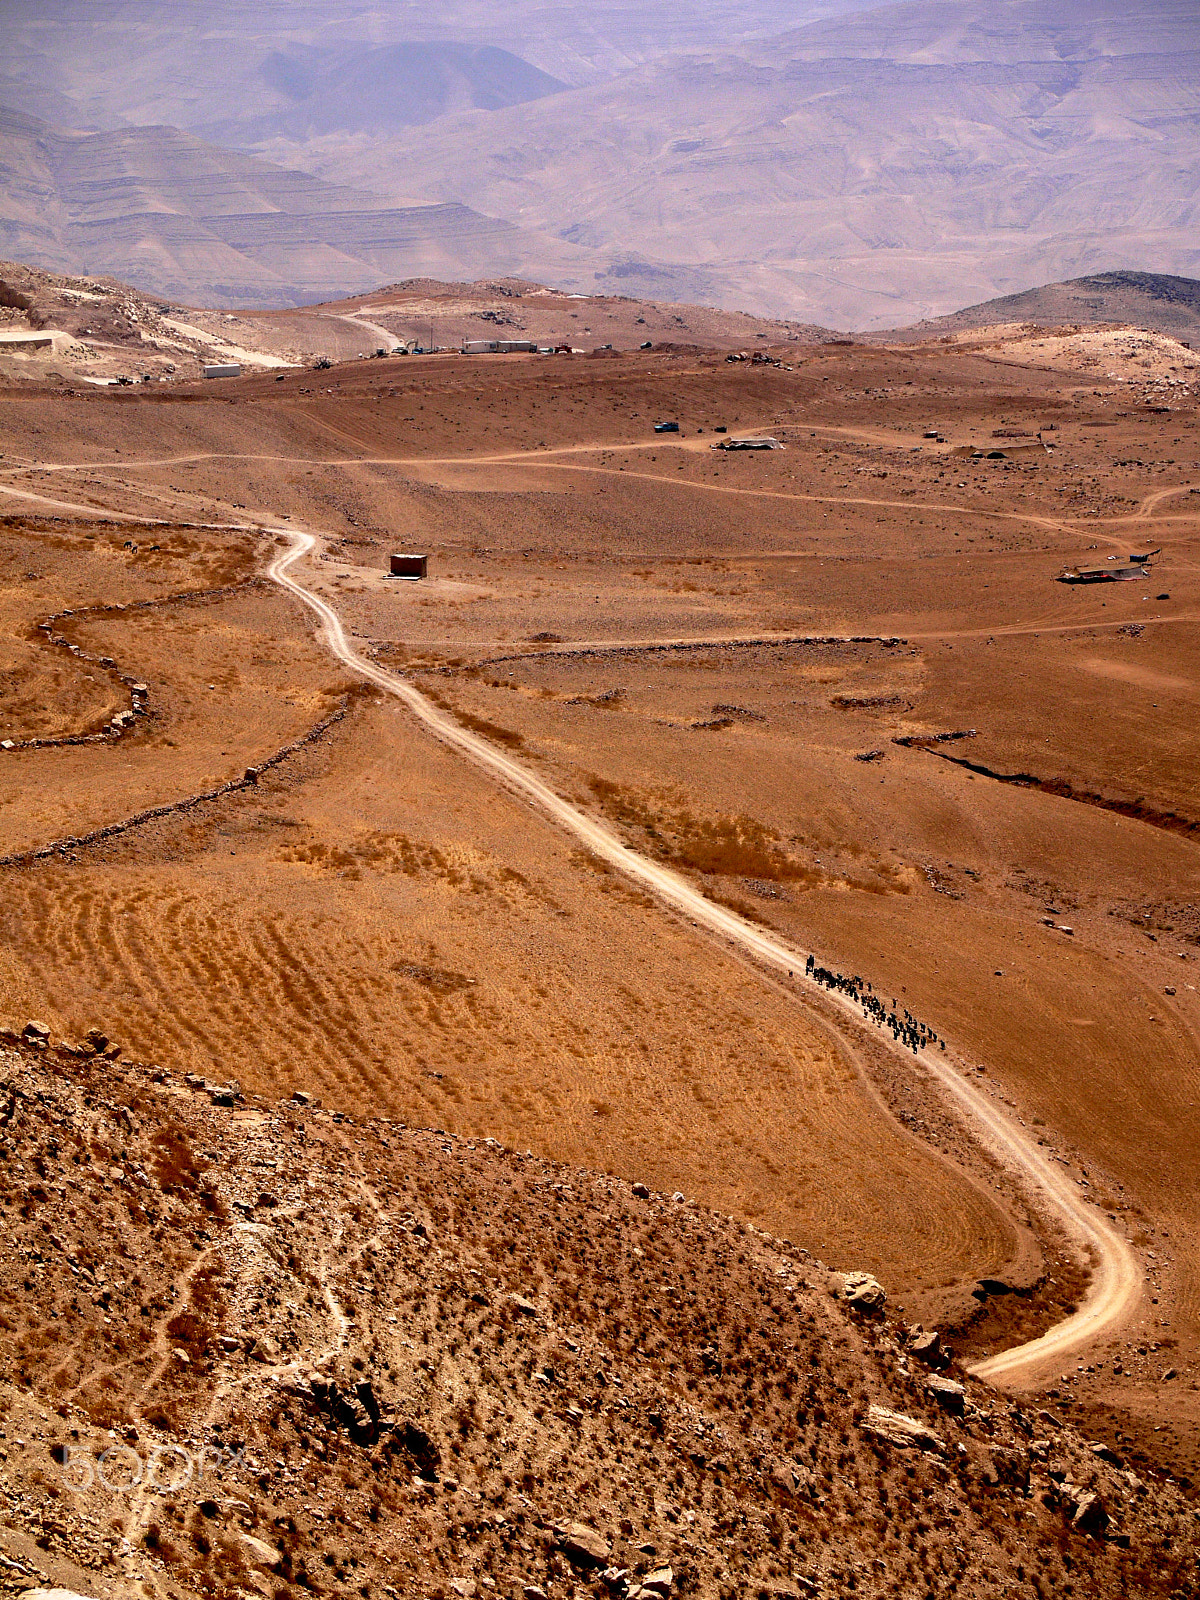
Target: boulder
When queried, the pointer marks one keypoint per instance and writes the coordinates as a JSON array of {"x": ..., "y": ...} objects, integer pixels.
[
  {"x": 927, "y": 1346},
  {"x": 864, "y": 1293},
  {"x": 946, "y": 1393},
  {"x": 659, "y": 1581},
  {"x": 582, "y": 1543},
  {"x": 259, "y": 1550},
  {"x": 1011, "y": 1466},
  {"x": 420, "y": 1447},
  {"x": 525, "y": 1307},
  {"x": 906, "y": 1433},
  {"x": 1091, "y": 1514},
  {"x": 641, "y": 1192}
]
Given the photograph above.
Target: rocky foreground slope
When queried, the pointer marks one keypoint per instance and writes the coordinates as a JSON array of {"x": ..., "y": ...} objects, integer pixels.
[{"x": 260, "y": 1348}]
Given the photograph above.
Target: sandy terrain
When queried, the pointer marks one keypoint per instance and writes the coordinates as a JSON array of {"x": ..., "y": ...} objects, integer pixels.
[{"x": 712, "y": 655}]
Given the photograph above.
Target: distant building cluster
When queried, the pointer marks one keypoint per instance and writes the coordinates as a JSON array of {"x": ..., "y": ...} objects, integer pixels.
[{"x": 500, "y": 347}]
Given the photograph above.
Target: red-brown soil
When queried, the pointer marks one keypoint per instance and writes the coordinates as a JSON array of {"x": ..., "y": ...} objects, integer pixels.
[
  {"x": 259, "y": 1347},
  {"x": 378, "y": 922}
]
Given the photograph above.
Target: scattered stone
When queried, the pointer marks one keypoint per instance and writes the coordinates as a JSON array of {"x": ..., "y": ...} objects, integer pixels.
[
  {"x": 1091, "y": 1514},
  {"x": 260, "y": 1550},
  {"x": 864, "y": 1293},
  {"x": 659, "y": 1581},
  {"x": 948, "y": 1394},
  {"x": 54, "y": 1594},
  {"x": 581, "y": 1543},
  {"x": 927, "y": 1347},
  {"x": 1011, "y": 1466},
  {"x": 894, "y": 1428},
  {"x": 35, "y": 1031},
  {"x": 641, "y": 1192},
  {"x": 525, "y": 1307}
]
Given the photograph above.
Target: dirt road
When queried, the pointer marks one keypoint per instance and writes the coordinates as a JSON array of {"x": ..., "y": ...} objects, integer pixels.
[
  {"x": 1116, "y": 1277},
  {"x": 387, "y": 341}
]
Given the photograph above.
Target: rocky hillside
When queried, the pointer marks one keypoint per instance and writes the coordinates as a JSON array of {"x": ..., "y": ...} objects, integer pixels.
[
  {"x": 101, "y": 330},
  {"x": 1152, "y": 300},
  {"x": 257, "y": 1347}
]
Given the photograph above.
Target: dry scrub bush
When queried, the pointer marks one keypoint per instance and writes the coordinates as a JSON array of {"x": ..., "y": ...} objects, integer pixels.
[
  {"x": 727, "y": 846},
  {"x": 491, "y": 730}
]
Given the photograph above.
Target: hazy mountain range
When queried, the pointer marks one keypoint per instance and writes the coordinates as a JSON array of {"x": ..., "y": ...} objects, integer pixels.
[{"x": 864, "y": 170}]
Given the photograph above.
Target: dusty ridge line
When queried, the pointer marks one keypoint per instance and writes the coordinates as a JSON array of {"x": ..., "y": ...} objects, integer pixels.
[
  {"x": 80, "y": 512},
  {"x": 112, "y": 830},
  {"x": 548, "y": 457},
  {"x": 1116, "y": 1278}
]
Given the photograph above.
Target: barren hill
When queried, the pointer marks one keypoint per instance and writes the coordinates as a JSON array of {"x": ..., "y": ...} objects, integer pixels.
[
  {"x": 192, "y": 62},
  {"x": 858, "y": 173},
  {"x": 100, "y": 330},
  {"x": 862, "y": 170},
  {"x": 191, "y": 221},
  {"x": 258, "y": 1347},
  {"x": 1151, "y": 300},
  {"x": 375, "y": 88}
]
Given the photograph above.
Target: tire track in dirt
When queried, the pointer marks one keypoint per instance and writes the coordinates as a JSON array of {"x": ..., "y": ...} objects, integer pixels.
[{"x": 1116, "y": 1281}]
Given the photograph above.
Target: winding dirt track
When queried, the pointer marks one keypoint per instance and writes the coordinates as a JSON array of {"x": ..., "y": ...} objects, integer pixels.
[{"x": 1116, "y": 1278}]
